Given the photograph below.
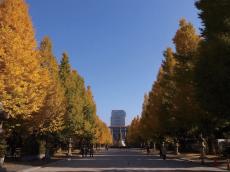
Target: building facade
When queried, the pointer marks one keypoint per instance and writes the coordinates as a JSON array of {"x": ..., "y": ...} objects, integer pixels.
[{"x": 118, "y": 128}]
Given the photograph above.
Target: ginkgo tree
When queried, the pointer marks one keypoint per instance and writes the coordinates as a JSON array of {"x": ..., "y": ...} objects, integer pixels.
[
  {"x": 134, "y": 135},
  {"x": 50, "y": 117},
  {"x": 24, "y": 80},
  {"x": 170, "y": 107},
  {"x": 41, "y": 97}
]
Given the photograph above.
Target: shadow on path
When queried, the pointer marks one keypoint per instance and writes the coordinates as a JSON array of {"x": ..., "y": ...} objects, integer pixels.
[{"x": 124, "y": 160}]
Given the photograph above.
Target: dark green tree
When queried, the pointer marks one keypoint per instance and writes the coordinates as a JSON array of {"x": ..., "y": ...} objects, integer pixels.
[
  {"x": 68, "y": 85},
  {"x": 64, "y": 69},
  {"x": 213, "y": 71},
  {"x": 75, "y": 94}
]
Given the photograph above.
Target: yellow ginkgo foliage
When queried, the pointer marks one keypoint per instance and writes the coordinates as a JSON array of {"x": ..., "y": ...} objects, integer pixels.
[
  {"x": 49, "y": 118},
  {"x": 186, "y": 40},
  {"x": 102, "y": 132},
  {"x": 23, "y": 80}
]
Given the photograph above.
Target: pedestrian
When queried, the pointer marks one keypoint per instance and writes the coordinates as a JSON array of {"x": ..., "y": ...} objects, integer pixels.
[
  {"x": 82, "y": 151},
  {"x": 163, "y": 151},
  {"x": 85, "y": 151},
  {"x": 148, "y": 149},
  {"x": 160, "y": 153},
  {"x": 91, "y": 151}
]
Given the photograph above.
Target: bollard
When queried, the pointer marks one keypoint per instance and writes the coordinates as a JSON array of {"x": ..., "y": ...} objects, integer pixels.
[
  {"x": 228, "y": 165},
  {"x": 177, "y": 149},
  {"x": 215, "y": 162},
  {"x": 69, "y": 147},
  {"x": 202, "y": 160},
  {"x": 154, "y": 147},
  {"x": 202, "y": 157},
  {"x": 202, "y": 151}
]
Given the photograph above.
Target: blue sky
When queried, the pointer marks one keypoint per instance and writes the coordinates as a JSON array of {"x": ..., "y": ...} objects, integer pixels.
[{"x": 116, "y": 45}]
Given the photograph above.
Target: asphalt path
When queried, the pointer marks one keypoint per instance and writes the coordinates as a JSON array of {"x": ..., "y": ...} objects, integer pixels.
[{"x": 117, "y": 160}]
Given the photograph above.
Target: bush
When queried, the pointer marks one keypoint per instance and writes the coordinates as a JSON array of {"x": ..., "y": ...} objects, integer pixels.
[
  {"x": 31, "y": 146},
  {"x": 2, "y": 147}
]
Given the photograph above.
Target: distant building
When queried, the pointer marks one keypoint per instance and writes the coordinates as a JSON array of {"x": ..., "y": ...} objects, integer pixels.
[
  {"x": 118, "y": 118},
  {"x": 118, "y": 128}
]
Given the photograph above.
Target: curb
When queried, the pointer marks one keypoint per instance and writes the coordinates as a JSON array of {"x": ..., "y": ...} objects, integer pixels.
[{"x": 30, "y": 169}]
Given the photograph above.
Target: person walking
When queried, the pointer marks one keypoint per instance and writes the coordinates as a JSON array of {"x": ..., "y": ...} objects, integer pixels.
[
  {"x": 91, "y": 151},
  {"x": 107, "y": 147},
  {"x": 148, "y": 149},
  {"x": 163, "y": 151},
  {"x": 82, "y": 151},
  {"x": 160, "y": 153},
  {"x": 86, "y": 150}
]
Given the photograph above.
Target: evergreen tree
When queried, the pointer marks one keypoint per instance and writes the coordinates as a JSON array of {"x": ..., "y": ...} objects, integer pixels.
[
  {"x": 212, "y": 76},
  {"x": 74, "y": 88},
  {"x": 64, "y": 69},
  {"x": 68, "y": 85}
]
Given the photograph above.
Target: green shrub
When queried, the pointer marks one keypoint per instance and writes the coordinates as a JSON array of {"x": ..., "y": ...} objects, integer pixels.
[
  {"x": 2, "y": 147},
  {"x": 30, "y": 146},
  {"x": 33, "y": 146}
]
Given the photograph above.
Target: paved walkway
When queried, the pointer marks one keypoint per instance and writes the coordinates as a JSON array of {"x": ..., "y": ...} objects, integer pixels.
[
  {"x": 210, "y": 160},
  {"x": 117, "y": 160}
]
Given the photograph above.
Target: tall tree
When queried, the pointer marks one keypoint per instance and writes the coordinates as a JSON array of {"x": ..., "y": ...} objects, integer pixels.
[
  {"x": 186, "y": 41},
  {"x": 133, "y": 135},
  {"x": 90, "y": 106},
  {"x": 171, "y": 102},
  {"x": 74, "y": 88},
  {"x": 212, "y": 76},
  {"x": 49, "y": 118},
  {"x": 89, "y": 112},
  {"x": 160, "y": 102},
  {"x": 144, "y": 118},
  {"x": 64, "y": 69},
  {"x": 67, "y": 83},
  {"x": 24, "y": 80}
]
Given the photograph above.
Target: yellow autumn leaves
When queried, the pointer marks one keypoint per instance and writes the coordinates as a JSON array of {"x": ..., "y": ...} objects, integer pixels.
[
  {"x": 24, "y": 80},
  {"x": 170, "y": 109},
  {"x": 33, "y": 90}
]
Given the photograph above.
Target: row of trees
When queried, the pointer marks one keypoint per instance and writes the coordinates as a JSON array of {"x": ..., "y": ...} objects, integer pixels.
[
  {"x": 190, "y": 96},
  {"x": 42, "y": 98}
]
